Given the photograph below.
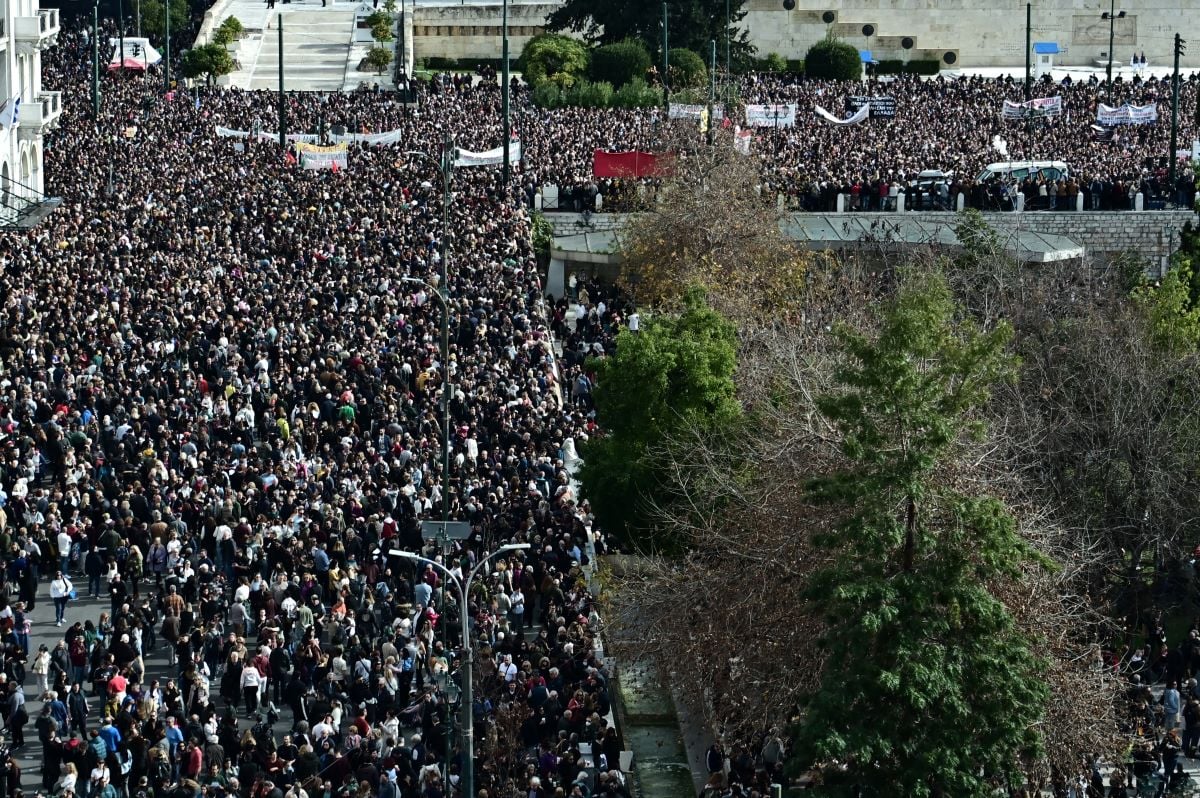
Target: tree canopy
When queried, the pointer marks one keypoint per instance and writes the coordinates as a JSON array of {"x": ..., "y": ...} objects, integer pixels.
[
  {"x": 832, "y": 59},
  {"x": 560, "y": 60},
  {"x": 675, "y": 373},
  {"x": 692, "y": 23},
  {"x": 915, "y": 637},
  {"x": 154, "y": 20},
  {"x": 208, "y": 60}
]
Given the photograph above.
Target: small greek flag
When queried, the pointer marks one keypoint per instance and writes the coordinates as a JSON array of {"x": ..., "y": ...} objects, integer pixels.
[{"x": 10, "y": 113}]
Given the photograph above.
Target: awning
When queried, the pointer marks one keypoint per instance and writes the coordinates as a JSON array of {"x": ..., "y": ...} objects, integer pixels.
[
  {"x": 1045, "y": 48},
  {"x": 130, "y": 63},
  {"x": 866, "y": 57}
]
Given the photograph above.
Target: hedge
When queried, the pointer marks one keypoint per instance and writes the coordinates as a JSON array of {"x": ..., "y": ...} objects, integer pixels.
[
  {"x": 832, "y": 59},
  {"x": 585, "y": 94},
  {"x": 687, "y": 69},
  {"x": 437, "y": 64},
  {"x": 918, "y": 67},
  {"x": 619, "y": 63}
]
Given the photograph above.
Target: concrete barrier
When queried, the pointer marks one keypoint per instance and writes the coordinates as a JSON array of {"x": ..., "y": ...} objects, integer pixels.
[
  {"x": 841, "y": 203},
  {"x": 960, "y": 202},
  {"x": 900, "y": 202},
  {"x": 1139, "y": 202},
  {"x": 1020, "y": 202}
]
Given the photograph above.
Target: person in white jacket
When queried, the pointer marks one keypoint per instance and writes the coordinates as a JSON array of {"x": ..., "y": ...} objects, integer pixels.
[
  {"x": 41, "y": 667},
  {"x": 250, "y": 684},
  {"x": 60, "y": 592}
]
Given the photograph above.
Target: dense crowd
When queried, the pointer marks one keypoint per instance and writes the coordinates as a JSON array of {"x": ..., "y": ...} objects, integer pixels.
[
  {"x": 942, "y": 124},
  {"x": 220, "y": 414}
]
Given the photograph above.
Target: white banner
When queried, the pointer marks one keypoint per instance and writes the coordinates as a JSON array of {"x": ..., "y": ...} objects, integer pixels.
[
  {"x": 314, "y": 157},
  {"x": 1126, "y": 114},
  {"x": 771, "y": 115},
  {"x": 489, "y": 157},
  {"x": 694, "y": 112},
  {"x": 1042, "y": 106},
  {"x": 371, "y": 139},
  {"x": 853, "y": 119}
]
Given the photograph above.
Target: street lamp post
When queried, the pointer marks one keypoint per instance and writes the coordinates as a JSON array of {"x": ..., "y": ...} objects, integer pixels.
[
  {"x": 167, "y": 42},
  {"x": 504, "y": 100},
  {"x": 321, "y": 118},
  {"x": 96, "y": 61},
  {"x": 468, "y": 687},
  {"x": 446, "y": 167},
  {"x": 1112, "y": 15}
]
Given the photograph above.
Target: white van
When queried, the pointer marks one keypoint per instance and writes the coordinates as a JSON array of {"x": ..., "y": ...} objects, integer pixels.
[{"x": 1016, "y": 171}]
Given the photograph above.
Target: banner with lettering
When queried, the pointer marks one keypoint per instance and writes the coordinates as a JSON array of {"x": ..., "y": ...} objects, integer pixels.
[
  {"x": 1033, "y": 109},
  {"x": 315, "y": 157},
  {"x": 370, "y": 139},
  {"x": 853, "y": 119},
  {"x": 1127, "y": 114},
  {"x": 694, "y": 112},
  {"x": 771, "y": 115},
  {"x": 492, "y": 157},
  {"x": 881, "y": 105}
]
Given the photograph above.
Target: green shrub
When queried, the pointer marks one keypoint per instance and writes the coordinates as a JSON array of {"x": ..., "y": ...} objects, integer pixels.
[
  {"x": 228, "y": 31},
  {"x": 552, "y": 57},
  {"x": 795, "y": 66},
  {"x": 687, "y": 69},
  {"x": 918, "y": 67},
  {"x": 595, "y": 95},
  {"x": 547, "y": 94},
  {"x": 774, "y": 62},
  {"x": 636, "y": 94},
  {"x": 543, "y": 234},
  {"x": 831, "y": 59},
  {"x": 438, "y": 64},
  {"x": 620, "y": 63}
]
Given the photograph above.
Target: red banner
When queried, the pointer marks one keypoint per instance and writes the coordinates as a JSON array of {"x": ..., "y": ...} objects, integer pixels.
[{"x": 624, "y": 164}]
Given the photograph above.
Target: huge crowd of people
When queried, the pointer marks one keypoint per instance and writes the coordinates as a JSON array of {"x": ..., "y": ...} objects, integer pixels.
[
  {"x": 944, "y": 124},
  {"x": 221, "y": 413}
]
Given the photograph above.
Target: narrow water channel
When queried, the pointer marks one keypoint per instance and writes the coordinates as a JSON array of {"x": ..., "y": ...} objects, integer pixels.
[{"x": 651, "y": 730}]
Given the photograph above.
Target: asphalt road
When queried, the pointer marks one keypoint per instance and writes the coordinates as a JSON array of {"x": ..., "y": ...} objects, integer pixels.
[{"x": 44, "y": 632}]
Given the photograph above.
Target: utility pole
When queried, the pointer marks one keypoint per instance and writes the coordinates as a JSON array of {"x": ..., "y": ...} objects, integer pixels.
[
  {"x": 666, "y": 63},
  {"x": 447, "y": 166},
  {"x": 407, "y": 95},
  {"x": 121, "y": 31},
  {"x": 1179, "y": 47},
  {"x": 1028, "y": 50},
  {"x": 96, "y": 61},
  {"x": 167, "y": 57},
  {"x": 1112, "y": 15},
  {"x": 728, "y": 62},
  {"x": 282, "y": 96},
  {"x": 507, "y": 172}
]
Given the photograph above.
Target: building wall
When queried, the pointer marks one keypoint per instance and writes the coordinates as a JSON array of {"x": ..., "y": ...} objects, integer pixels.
[
  {"x": 474, "y": 31},
  {"x": 976, "y": 33},
  {"x": 27, "y": 30},
  {"x": 973, "y": 33}
]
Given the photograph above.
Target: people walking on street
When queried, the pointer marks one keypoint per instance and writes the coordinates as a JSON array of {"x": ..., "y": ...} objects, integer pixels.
[{"x": 60, "y": 594}]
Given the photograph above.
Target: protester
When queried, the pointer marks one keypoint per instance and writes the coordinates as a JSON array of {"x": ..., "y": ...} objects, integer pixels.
[{"x": 221, "y": 403}]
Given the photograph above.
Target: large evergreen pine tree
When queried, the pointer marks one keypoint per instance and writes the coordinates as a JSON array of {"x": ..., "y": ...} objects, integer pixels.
[{"x": 928, "y": 689}]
